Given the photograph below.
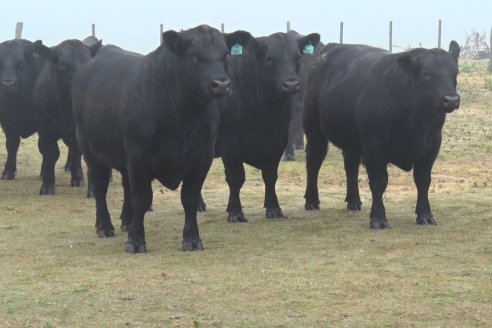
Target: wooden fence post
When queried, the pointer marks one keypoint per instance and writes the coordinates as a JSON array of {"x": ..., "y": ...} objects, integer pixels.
[
  {"x": 18, "y": 30},
  {"x": 341, "y": 32},
  {"x": 288, "y": 26},
  {"x": 161, "y": 30},
  {"x": 390, "y": 48},
  {"x": 94, "y": 30},
  {"x": 222, "y": 27},
  {"x": 490, "y": 52},
  {"x": 439, "y": 35}
]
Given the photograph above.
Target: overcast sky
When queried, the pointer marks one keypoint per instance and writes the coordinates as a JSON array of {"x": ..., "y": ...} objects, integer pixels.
[{"x": 134, "y": 25}]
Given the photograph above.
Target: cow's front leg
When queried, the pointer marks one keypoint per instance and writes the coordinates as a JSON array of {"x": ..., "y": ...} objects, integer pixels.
[
  {"x": 235, "y": 177},
  {"x": 12, "y": 143},
  {"x": 422, "y": 177},
  {"x": 269, "y": 175},
  {"x": 376, "y": 166}
]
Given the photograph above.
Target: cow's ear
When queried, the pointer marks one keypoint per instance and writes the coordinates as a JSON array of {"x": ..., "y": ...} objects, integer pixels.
[
  {"x": 50, "y": 54},
  {"x": 407, "y": 64},
  {"x": 308, "y": 43},
  {"x": 95, "y": 47},
  {"x": 175, "y": 42},
  {"x": 454, "y": 50},
  {"x": 236, "y": 41}
]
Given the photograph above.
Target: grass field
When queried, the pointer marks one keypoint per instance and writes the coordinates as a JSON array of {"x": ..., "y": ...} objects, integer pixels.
[{"x": 323, "y": 269}]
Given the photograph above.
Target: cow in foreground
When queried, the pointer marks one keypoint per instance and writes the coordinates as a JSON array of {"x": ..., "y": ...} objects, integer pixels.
[
  {"x": 255, "y": 119},
  {"x": 52, "y": 98},
  {"x": 379, "y": 108},
  {"x": 153, "y": 117},
  {"x": 20, "y": 66}
]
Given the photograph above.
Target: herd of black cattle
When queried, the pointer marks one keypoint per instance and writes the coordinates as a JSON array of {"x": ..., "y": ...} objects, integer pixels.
[{"x": 203, "y": 94}]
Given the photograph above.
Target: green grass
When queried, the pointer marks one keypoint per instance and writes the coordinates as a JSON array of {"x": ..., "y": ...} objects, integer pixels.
[{"x": 316, "y": 269}]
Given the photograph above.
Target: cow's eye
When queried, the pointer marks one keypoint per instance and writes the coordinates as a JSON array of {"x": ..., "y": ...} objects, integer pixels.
[
  {"x": 269, "y": 60},
  {"x": 426, "y": 76},
  {"x": 195, "y": 59}
]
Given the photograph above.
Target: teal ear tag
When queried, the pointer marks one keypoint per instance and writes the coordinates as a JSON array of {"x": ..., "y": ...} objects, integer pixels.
[
  {"x": 308, "y": 49},
  {"x": 35, "y": 55},
  {"x": 237, "y": 49}
]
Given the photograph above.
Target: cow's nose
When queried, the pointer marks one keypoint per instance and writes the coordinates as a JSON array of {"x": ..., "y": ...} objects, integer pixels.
[
  {"x": 8, "y": 83},
  {"x": 291, "y": 86},
  {"x": 220, "y": 87},
  {"x": 451, "y": 103}
]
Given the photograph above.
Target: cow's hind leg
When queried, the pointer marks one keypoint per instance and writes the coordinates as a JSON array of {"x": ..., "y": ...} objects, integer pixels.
[
  {"x": 351, "y": 161},
  {"x": 235, "y": 177},
  {"x": 126, "y": 210},
  {"x": 49, "y": 149},
  {"x": 77, "y": 179},
  {"x": 13, "y": 142},
  {"x": 316, "y": 149},
  {"x": 100, "y": 175}
]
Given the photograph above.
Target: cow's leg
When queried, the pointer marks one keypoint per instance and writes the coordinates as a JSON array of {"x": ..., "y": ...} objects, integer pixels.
[
  {"x": 12, "y": 143},
  {"x": 422, "y": 171},
  {"x": 190, "y": 198},
  {"x": 126, "y": 210},
  {"x": 141, "y": 199},
  {"x": 377, "y": 171},
  {"x": 68, "y": 162},
  {"x": 235, "y": 177},
  {"x": 316, "y": 149},
  {"x": 299, "y": 139},
  {"x": 77, "y": 179},
  {"x": 289, "y": 153},
  {"x": 48, "y": 147},
  {"x": 100, "y": 175},
  {"x": 351, "y": 161},
  {"x": 269, "y": 175}
]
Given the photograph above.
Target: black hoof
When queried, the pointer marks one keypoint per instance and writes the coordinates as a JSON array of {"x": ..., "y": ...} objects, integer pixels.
[
  {"x": 77, "y": 182},
  {"x": 202, "y": 207},
  {"x": 380, "y": 225},
  {"x": 90, "y": 194},
  {"x": 356, "y": 207},
  {"x": 236, "y": 218},
  {"x": 275, "y": 213},
  {"x": 125, "y": 227},
  {"x": 105, "y": 233},
  {"x": 8, "y": 175},
  {"x": 132, "y": 247},
  {"x": 310, "y": 206},
  {"x": 151, "y": 208},
  {"x": 288, "y": 157},
  {"x": 426, "y": 219},
  {"x": 194, "y": 244},
  {"x": 47, "y": 190}
]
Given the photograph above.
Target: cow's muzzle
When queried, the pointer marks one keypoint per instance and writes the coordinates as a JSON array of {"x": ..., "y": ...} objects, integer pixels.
[
  {"x": 291, "y": 86},
  {"x": 450, "y": 103},
  {"x": 220, "y": 87},
  {"x": 9, "y": 84}
]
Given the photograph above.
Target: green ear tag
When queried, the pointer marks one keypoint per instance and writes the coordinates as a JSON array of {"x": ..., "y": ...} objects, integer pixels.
[
  {"x": 35, "y": 55},
  {"x": 308, "y": 49},
  {"x": 237, "y": 49}
]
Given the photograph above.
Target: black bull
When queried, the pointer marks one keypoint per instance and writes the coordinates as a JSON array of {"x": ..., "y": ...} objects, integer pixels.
[
  {"x": 379, "y": 108},
  {"x": 153, "y": 117}
]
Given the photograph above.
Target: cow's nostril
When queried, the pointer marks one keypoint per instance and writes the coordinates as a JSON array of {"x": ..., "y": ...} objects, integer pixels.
[
  {"x": 291, "y": 86},
  {"x": 451, "y": 101},
  {"x": 220, "y": 86}
]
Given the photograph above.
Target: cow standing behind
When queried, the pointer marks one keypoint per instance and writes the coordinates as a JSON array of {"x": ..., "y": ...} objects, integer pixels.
[
  {"x": 153, "y": 117},
  {"x": 20, "y": 66},
  {"x": 295, "y": 102},
  {"x": 52, "y": 98},
  {"x": 379, "y": 108},
  {"x": 255, "y": 119}
]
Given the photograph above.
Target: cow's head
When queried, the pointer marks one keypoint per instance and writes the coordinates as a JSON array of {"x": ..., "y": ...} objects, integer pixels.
[
  {"x": 68, "y": 57},
  {"x": 201, "y": 54},
  {"x": 434, "y": 73},
  {"x": 17, "y": 62},
  {"x": 277, "y": 60}
]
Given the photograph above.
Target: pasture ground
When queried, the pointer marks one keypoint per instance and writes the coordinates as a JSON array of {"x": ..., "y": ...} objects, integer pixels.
[{"x": 314, "y": 269}]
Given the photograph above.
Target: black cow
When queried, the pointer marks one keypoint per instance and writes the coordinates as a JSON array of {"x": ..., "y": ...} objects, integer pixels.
[
  {"x": 379, "y": 108},
  {"x": 296, "y": 135},
  {"x": 19, "y": 69},
  {"x": 153, "y": 117},
  {"x": 255, "y": 119},
  {"x": 52, "y": 97}
]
